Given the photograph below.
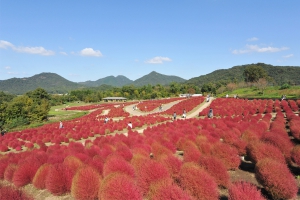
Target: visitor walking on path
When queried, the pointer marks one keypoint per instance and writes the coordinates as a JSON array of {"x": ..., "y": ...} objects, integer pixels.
[
  {"x": 210, "y": 113},
  {"x": 184, "y": 114},
  {"x": 61, "y": 124},
  {"x": 130, "y": 125},
  {"x": 174, "y": 116}
]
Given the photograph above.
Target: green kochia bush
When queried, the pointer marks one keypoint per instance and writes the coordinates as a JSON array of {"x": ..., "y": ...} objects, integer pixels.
[{"x": 276, "y": 179}]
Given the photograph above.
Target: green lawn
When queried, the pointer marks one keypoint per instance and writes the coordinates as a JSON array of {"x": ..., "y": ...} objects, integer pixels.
[{"x": 273, "y": 92}]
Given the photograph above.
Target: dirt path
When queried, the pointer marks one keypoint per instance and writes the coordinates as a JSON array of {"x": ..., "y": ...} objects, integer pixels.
[{"x": 189, "y": 115}]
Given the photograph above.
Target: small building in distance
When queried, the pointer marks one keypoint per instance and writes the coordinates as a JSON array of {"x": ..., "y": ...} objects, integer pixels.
[
  {"x": 190, "y": 95},
  {"x": 117, "y": 99}
]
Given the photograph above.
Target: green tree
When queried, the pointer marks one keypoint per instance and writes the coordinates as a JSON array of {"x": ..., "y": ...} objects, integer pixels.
[{"x": 253, "y": 73}]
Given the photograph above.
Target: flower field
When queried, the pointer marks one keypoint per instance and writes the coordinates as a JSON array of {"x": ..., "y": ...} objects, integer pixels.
[{"x": 159, "y": 159}]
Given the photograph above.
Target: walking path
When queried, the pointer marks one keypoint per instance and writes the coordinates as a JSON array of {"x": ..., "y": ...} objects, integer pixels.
[{"x": 189, "y": 115}]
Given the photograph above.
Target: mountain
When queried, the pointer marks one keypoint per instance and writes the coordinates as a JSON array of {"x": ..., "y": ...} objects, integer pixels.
[
  {"x": 155, "y": 78},
  {"x": 118, "y": 81},
  {"x": 51, "y": 82},
  {"x": 280, "y": 74}
]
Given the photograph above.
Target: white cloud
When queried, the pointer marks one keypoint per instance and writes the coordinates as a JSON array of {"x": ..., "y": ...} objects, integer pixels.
[
  {"x": 35, "y": 50},
  {"x": 258, "y": 49},
  {"x": 158, "y": 60},
  {"x": 5, "y": 44},
  {"x": 31, "y": 50},
  {"x": 7, "y": 67},
  {"x": 252, "y": 39},
  {"x": 90, "y": 52},
  {"x": 63, "y": 53},
  {"x": 288, "y": 56}
]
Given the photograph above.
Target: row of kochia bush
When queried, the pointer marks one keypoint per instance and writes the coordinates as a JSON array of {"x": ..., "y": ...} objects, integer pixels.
[
  {"x": 151, "y": 105},
  {"x": 120, "y": 167}
]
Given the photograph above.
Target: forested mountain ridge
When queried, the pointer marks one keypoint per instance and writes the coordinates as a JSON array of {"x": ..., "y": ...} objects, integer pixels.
[
  {"x": 118, "y": 81},
  {"x": 54, "y": 83},
  {"x": 280, "y": 74},
  {"x": 51, "y": 82},
  {"x": 156, "y": 78}
]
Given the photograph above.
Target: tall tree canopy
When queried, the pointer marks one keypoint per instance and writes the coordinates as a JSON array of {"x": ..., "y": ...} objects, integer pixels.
[{"x": 253, "y": 73}]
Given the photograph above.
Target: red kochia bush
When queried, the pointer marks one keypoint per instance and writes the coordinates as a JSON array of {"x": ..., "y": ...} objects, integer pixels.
[
  {"x": 166, "y": 189},
  {"x": 172, "y": 163},
  {"x": 56, "y": 181},
  {"x": 191, "y": 154},
  {"x": 24, "y": 173},
  {"x": 276, "y": 179},
  {"x": 216, "y": 169},
  {"x": 229, "y": 155},
  {"x": 9, "y": 171},
  {"x": 118, "y": 186},
  {"x": 296, "y": 155},
  {"x": 151, "y": 171},
  {"x": 117, "y": 163},
  {"x": 11, "y": 193},
  {"x": 40, "y": 176},
  {"x": 259, "y": 150},
  {"x": 197, "y": 182},
  {"x": 86, "y": 183},
  {"x": 3, "y": 165},
  {"x": 243, "y": 190},
  {"x": 171, "y": 192}
]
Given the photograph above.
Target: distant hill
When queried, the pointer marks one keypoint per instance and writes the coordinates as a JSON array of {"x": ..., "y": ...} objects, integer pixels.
[
  {"x": 51, "y": 82},
  {"x": 280, "y": 74},
  {"x": 155, "y": 78},
  {"x": 54, "y": 83},
  {"x": 118, "y": 81}
]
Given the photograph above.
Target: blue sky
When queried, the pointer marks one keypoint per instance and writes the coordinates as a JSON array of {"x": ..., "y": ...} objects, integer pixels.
[{"x": 88, "y": 40}]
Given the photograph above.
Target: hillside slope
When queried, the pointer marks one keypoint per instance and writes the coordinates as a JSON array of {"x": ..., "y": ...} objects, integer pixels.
[
  {"x": 155, "y": 78},
  {"x": 51, "y": 82},
  {"x": 280, "y": 74}
]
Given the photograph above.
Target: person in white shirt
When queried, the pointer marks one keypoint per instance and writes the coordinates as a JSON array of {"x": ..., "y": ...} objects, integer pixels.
[{"x": 130, "y": 124}]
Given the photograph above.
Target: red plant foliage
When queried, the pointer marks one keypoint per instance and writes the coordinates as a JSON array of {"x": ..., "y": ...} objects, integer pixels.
[
  {"x": 197, "y": 182},
  {"x": 276, "y": 179},
  {"x": 86, "y": 183},
  {"x": 119, "y": 186},
  {"x": 216, "y": 169},
  {"x": 229, "y": 155},
  {"x": 191, "y": 154},
  {"x": 3, "y": 165},
  {"x": 172, "y": 163},
  {"x": 170, "y": 192},
  {"x": 151, "y": 171},
  {"x": 56, "y": 181},
  {"x": 40, "y": 176},
  {"x": 244, "y": 190},
  {"x": 11, "y": 193},
  {"x": 9, "y": 171},
  {"x": 281, "y": 141},
  {"x": 24, "y": 173},
  {"x": 296, "y": 155},
  {"x": 117, "y": 163},
  {"x": 159, "y": 150},
  {"x": 260, "y": 150}
]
